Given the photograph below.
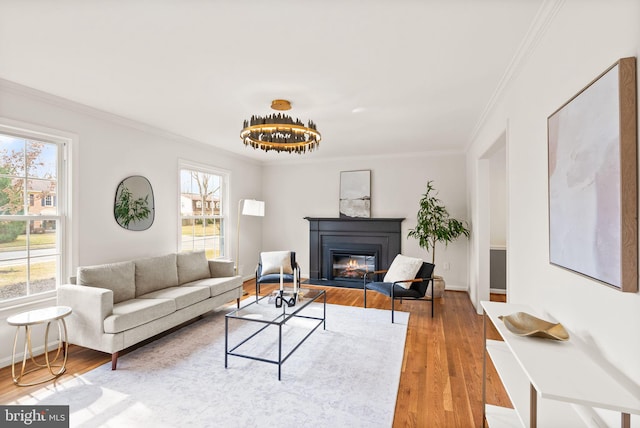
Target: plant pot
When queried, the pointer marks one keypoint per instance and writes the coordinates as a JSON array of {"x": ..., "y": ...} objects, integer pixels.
[{"x": 439, "y": 284}]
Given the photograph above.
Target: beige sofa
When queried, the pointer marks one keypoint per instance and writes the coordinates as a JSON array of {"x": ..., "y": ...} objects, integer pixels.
[{"x": 117, "y": 305}]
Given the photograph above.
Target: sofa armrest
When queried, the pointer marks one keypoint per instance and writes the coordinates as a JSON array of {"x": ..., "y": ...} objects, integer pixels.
[
  {"x": 90, "y": 306},
  {"x": 221, "y": 268}
]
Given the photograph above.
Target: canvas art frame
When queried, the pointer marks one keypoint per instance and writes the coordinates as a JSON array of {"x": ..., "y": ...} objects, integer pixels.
[
  {"x": 593, "y": 193},
  {"x": 355, "y": 194}
]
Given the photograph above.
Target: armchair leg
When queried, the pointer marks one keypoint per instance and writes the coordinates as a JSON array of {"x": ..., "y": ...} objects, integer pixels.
[
  {"x": 114, "y": 360},
  {"x": 392, "y": 309},
  {"x": 238, "y": 302}
]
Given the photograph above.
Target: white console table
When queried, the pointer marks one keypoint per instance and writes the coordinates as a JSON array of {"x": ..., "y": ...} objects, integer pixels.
[{"x": 548, "y": 381}]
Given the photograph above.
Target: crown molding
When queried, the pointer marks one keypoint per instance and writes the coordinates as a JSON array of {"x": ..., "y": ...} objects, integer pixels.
[
  {"x": 76, "y": 107},
  {"x": 539, "y": 26}
]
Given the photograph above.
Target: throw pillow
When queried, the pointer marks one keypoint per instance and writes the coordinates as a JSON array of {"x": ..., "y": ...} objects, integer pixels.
[
  {"x": 403, "y": 267},
  {"x": 156, "y": 273},
  {"x": 192, "y": 267},
  {"x": 272, "y": 260},
  {"x": 117, "y": 277}
]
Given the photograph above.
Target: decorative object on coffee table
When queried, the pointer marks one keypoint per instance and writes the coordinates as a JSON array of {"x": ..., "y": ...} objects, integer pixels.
[{"x": 283, "y": 297}]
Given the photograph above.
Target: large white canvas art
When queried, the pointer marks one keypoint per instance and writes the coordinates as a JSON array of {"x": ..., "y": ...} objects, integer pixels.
[{"x": 584, "y": 182}]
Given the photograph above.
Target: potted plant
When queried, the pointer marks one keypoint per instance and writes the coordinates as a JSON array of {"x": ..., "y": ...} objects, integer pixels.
[{"x": 435, "y": 225}]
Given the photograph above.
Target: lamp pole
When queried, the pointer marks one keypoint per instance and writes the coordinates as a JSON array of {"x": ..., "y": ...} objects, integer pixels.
[{"x": 238, "y": 238}]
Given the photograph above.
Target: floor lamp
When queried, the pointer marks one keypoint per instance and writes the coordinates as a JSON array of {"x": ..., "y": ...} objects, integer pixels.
[{"x": 246, "y": 207}]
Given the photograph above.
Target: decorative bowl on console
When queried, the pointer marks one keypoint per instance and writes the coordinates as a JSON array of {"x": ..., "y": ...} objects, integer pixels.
[{"x": 524, "y": 324}]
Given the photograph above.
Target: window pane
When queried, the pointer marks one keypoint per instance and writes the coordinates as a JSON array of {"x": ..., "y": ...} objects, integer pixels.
[
  {"x": 43, "y": 198},
  {"x": 13, "y": 240},
  {"x": 13, "y": 279},
  {"x": 190, "y": 239},
  {"x": 12, "y": 155},
  {"x": 30, "y": 257},
  {"x": 201, "y": 212},
  {"x": 199, "y": 191},
  {"x": 11, "y": 196},
  {"x": 13, "y": 262},
  {"x": 42, "y": 160},
  {"x": 43, "y": 238},
  {"x": 213, "y": 241},
  {"x": 42, "y": 274}
]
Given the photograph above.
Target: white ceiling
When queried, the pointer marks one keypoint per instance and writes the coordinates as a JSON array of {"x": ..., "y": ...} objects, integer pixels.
[{"x": 378, "y": 77}]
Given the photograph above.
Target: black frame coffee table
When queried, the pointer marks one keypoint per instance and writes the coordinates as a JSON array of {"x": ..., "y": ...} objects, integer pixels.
[{"x": 265, "y": 312}]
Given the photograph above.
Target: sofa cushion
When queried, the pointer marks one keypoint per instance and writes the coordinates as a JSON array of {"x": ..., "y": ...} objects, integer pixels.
[
  {"x": 156, "y": 273},
  {"x": 219, "y": 285},
  {"x": 183, "y": 296},
  {"x": 117, "y": 277},
  {"x": 273, "y": 260},
  {"x": 134, "y": 312},
  {"x": 192, "y": 266}
]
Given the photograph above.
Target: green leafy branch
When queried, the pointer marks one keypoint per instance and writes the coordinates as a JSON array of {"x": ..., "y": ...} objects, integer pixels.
[
  {"x": 434, "y": 224},
  {"x": 128, "y": 209}
]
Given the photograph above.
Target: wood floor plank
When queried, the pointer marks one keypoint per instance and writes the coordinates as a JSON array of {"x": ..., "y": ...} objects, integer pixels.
[{"x": 441, "y": 374}]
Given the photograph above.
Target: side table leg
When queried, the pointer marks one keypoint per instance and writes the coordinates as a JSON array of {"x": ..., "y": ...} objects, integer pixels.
[{"x": 27, "y": 335}]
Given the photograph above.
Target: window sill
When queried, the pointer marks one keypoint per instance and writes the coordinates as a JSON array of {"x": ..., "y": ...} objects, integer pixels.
[{"x": 23, "y": 304}]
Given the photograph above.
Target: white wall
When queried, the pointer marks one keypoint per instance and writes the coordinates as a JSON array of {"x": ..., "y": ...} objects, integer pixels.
[
  {"x": 498, "y": 197},
  {"x": 298, "y": 189},
  {"x": 582, "y": 40},
  {"x": 107, "y": 150}
]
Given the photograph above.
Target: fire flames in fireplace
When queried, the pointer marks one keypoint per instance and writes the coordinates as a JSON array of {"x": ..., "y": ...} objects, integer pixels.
[{"x": 352, "y": 266}]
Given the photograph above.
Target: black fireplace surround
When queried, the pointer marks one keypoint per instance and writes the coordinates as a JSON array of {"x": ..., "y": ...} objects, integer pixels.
[{"x": 378, "y": 237}]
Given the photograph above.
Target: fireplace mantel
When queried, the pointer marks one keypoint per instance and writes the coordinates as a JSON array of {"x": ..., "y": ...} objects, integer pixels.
[{"x": 327, "y": 233}]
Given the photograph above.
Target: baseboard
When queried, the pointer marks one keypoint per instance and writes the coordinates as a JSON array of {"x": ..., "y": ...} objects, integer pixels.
[
  {"x": 498, "y": 291},
  {"x": 453, "y": 287},
  {"x": 38, "y": 351}
]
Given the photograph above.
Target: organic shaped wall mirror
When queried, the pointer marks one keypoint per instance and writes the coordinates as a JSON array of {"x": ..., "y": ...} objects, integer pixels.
[{"x": 134, "y": 207}]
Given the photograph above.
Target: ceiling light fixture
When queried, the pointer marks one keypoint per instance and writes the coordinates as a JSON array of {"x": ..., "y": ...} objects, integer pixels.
[{"x": 280, "y": 132}]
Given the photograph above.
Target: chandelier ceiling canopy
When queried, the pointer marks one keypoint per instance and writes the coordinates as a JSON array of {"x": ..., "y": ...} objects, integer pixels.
[{"x": 280, "y": 132}]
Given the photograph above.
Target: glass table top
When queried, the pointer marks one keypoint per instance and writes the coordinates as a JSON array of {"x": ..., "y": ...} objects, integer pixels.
[{"x": 264, "y": 310}]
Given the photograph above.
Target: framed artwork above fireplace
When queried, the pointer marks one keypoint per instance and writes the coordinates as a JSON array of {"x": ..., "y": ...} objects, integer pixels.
[{"x": 355, "y": 194}]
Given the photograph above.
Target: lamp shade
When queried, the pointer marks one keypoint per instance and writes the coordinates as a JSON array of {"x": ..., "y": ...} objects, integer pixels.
[{"x": 253, "y": 207}]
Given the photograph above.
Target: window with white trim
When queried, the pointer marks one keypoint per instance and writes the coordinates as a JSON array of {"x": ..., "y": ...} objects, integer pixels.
[
  {"x": 202, "y": 225},
  {"x": 31, "y": 217}
]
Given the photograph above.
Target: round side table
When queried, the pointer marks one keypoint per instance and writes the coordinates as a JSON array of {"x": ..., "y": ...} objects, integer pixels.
[{"x": 29, "y": 319}]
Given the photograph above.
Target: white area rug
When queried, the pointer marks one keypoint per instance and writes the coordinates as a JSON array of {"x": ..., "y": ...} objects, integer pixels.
[{"x": 344, "y": 376}]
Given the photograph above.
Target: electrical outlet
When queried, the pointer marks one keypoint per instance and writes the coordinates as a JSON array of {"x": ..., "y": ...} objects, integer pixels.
[{"x": 446, "y": 266}]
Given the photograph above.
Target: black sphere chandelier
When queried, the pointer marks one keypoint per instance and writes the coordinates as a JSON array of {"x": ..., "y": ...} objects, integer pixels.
[{"x": 280, "y": 132}]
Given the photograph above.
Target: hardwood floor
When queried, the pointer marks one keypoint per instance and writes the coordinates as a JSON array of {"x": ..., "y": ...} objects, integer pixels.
[{"x": 441, "y": 379}]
